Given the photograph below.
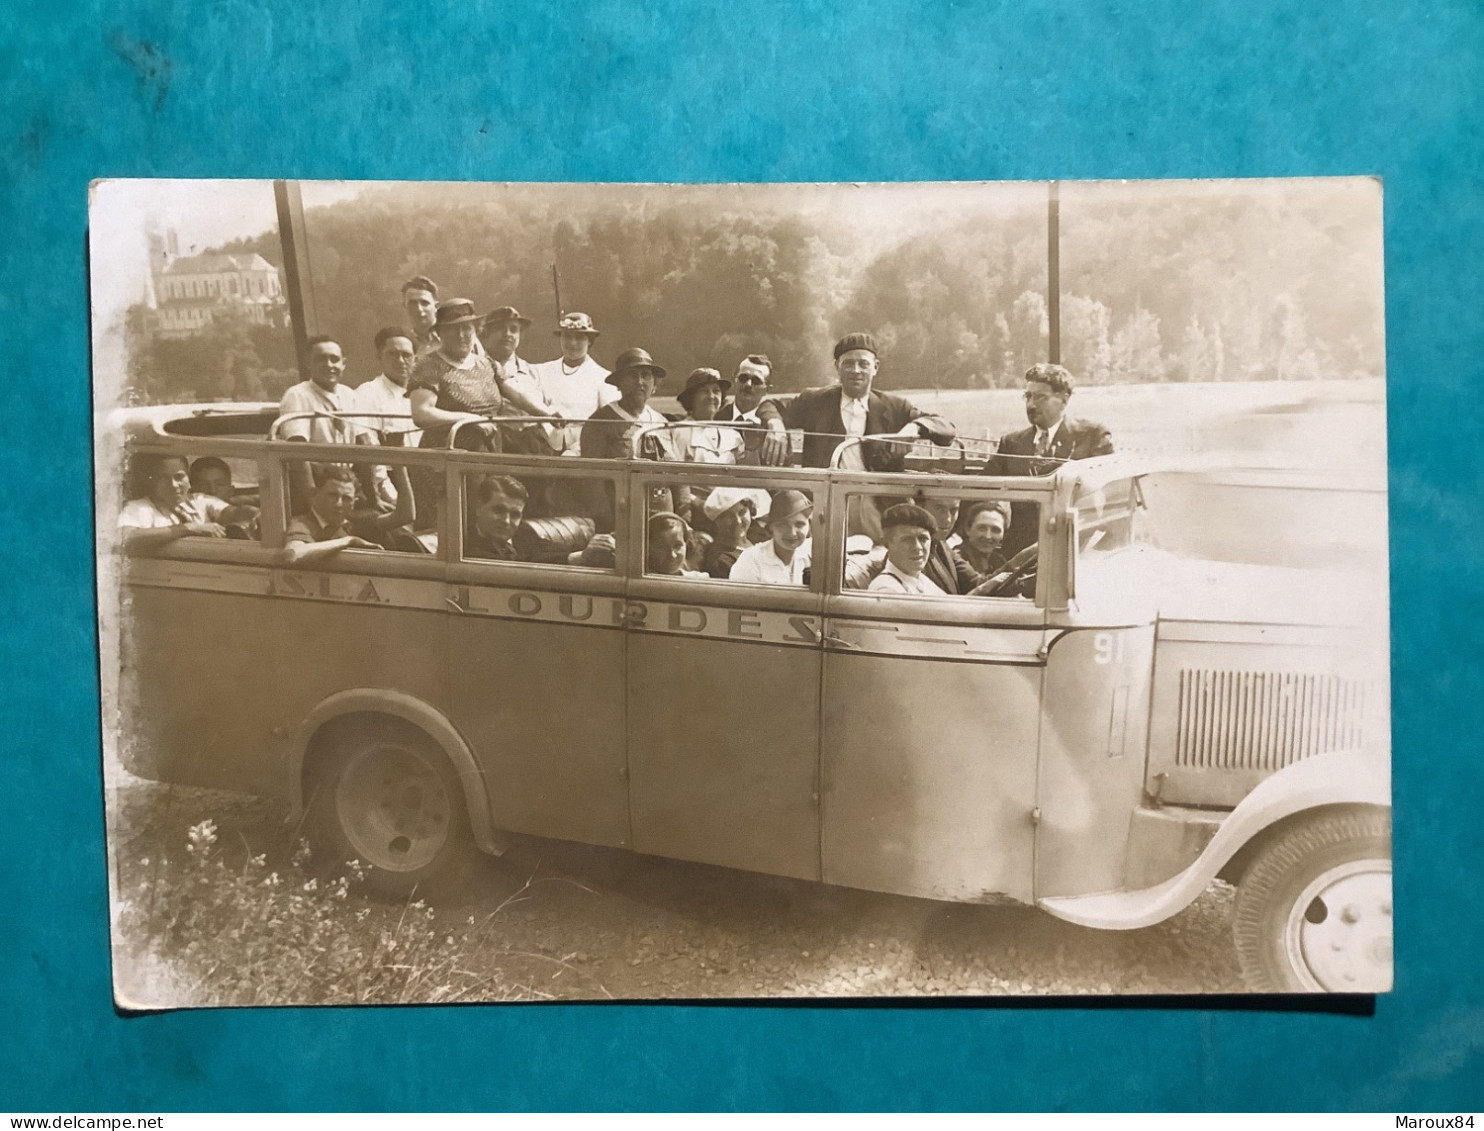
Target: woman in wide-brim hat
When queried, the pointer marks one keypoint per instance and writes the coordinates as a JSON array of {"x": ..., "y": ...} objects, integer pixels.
[
  {"x": 609, "y": 433},
  {"x": 701, "y": 398},
  {"x": 456, "y": 383}
]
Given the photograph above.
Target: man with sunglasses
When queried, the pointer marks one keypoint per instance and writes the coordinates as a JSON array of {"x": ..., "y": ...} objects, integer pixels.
[
  {"x": 1052, "y": 438},
  {"x": 751, "y": 383}
]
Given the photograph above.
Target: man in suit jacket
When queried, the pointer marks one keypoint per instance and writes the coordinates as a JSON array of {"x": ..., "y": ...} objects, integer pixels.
[
  {"x": 1051, "y": 440},
  {"x": 849, "y": 408}
]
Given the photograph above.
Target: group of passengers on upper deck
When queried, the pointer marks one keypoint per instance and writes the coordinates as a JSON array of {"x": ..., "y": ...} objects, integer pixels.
[{"x": 456, "y": 378}]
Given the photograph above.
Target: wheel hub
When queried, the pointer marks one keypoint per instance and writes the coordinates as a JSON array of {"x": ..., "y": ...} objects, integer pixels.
[
  {"x": 1340, "y": 929},
  {"x": 393, "y": 808}
]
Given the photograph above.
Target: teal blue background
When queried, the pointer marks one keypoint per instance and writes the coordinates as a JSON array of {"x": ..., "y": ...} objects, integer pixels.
[{"x": 745, "y": 90}]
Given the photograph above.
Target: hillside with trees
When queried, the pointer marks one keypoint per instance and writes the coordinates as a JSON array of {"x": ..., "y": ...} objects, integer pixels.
[{"x": 1159, "y": 282}]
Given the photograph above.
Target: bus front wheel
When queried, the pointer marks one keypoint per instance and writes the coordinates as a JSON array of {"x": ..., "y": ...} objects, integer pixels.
[
  {"x": 381, "y": 793},
  {"x": 1313, "y": 911}
]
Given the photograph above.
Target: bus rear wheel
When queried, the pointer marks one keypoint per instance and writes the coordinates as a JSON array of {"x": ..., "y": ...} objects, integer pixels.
[
  {"x": 1314, "y": 912},
  {"x": 382, "y": 793}
]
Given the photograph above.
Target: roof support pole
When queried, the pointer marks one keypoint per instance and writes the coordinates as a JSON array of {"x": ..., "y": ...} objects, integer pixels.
[{"x": 297, "y": 278}]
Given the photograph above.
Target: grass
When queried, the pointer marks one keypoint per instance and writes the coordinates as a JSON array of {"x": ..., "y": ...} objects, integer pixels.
[{"x": 213, "y": 931}]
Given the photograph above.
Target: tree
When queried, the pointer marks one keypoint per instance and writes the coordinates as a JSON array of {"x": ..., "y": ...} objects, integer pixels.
[
  {"x": 1137, "y": 355},
  {"x": 1085, "y": 349}
]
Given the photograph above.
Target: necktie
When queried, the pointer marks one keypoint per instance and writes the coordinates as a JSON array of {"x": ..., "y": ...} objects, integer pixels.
[{"x": 1043, "y": 442}]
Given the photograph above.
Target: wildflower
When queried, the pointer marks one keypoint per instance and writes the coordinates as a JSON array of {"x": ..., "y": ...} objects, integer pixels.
[
  {"x": 202, "y": 836},
  {"x": 259, "y": 860},
  {"x": 362, "y": 913},
  {"x": 312, "y": 885},
  {"x": 301, "y": 853}
]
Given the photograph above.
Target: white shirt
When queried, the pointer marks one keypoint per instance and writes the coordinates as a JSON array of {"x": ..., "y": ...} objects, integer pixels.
[
  {"x": 853, "y": 416},
  {"x": 143, "y": 514},
  {"x": 306, "y": 396},
  {"x": 573, "y": 393},
  {"x": 761, "y": 564},
  {"x": 711, "y": 443},
  {"x": 1049, "y": 434},
  {"x": 893, "y": 580},
  {"x": 382, "y": 394}
]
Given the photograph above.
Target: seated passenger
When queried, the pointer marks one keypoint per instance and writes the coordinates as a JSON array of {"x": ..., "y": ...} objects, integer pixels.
[
  {"x": 731, "y": 511},
  {"x": 168, "y": 511},
  {"x": 985, "y": 522},
  {"x": 946, "y": 568},
  {"x": 701, "y": 398},
  {"x": 212, "y": 476},
  {"x": 500, "y": 503},
  {"x": 499, "y": 508},
  {"x": 909, "y": 532},
  {"x": 784, "y": 559},
  {"x": 333, "y": 521},
  {"x": 668, "y": 546},
  {"x": 610, "y": 431}
]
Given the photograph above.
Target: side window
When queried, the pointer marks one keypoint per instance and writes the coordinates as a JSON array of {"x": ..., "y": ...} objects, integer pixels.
[
  {"x": 539, "y": 520},
  {"x": 363, "y": 505},
  {"x": 732, "y": 532},
  {"x": 169, "y": 497},
  {"x": 935, "y": 544}
]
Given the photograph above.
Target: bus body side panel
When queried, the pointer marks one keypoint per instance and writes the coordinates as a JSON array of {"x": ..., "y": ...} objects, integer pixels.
[
  {"x": 928, "y": 772},
  {"x": 199, "y": 668},
  {"x": 392, "y": 637},
  {"x": 1094, "y": 734},
  {"x": 724, "y": 749},
  {"x": 542, "y": 706}
]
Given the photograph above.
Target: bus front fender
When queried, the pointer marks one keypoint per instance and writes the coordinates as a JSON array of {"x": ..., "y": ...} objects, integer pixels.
[
  {"x": 1344, "y": 778},
  {"x": 386, "y": 701}
]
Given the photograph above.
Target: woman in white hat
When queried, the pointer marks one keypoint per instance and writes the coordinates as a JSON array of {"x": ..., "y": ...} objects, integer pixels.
[{"x": 731, "y": 511}]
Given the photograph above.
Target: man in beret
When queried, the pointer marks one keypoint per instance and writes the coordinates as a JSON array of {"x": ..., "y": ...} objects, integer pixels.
[
  {"x": 849, "y": 408},
  {"x": 908, "y": 532},
  {"x": 1052, "y": 438}
]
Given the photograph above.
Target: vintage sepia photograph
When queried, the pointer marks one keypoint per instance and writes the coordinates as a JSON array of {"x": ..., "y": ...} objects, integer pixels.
[{"x": 529, "y": 592}]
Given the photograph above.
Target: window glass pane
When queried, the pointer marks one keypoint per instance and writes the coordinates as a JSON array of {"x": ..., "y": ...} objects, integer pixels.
[
  {"x": 541, "y": 520},
  {"x": 938, "y": 546},
  {"x": 734, "y": 532}
]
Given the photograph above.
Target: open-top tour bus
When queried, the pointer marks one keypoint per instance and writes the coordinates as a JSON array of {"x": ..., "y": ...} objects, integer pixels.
[{"x": 1187, "y": 682}]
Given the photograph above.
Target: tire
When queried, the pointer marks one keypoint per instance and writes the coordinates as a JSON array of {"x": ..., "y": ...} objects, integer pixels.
[
  {"x": 382, "y": 792},
  {"x": 1313, "y": 909}
]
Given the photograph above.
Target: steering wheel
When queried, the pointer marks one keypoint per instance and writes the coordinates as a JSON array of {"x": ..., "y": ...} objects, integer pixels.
[{"x": 1018, "y": 571}]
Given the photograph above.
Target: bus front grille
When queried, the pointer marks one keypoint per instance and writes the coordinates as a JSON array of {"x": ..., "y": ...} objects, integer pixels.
[{"x": 1243, "y": 720}]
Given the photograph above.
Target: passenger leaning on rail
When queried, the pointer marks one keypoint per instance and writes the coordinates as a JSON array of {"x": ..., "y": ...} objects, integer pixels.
[
  {"x": 167, "y": 510},
  {"x": 848, "y": 408},
  {"x": 455, "y": 384},
  {"x": 335, "y": 521}
]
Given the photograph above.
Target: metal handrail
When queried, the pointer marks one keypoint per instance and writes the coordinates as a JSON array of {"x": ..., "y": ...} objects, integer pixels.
[
  {"x": 279, "y": 422},
  {"x": 453, "y": 430}
]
